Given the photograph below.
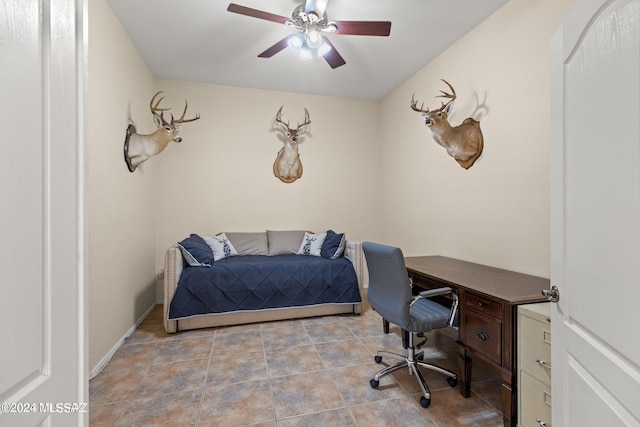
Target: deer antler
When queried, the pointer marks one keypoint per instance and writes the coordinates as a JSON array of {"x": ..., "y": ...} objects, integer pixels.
[
  {"x": 182, "y": 119},
  {"x": 155, "y": 108},
  {"x": 451, "y": 96},
  {"x": 279, "y": 117},
  {"x": 414, "y": 105},
  {"x": 307, "y": 120}
]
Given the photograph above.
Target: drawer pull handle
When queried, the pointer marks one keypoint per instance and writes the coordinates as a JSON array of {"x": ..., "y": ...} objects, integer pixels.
[
  {"x": 542, "y": 423},
  {"x": 543, "y": 364},
  {"x": 481, "y": 335},
  {"x": 480, "y": 304}
]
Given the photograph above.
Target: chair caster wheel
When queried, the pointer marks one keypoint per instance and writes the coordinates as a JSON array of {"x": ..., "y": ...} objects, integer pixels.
[
  {"x": 378, "y": 359},
  {"x": 424, "y": 402},
  {"x": 452, "y": 381},
  {"x": 374, "y": 384}
]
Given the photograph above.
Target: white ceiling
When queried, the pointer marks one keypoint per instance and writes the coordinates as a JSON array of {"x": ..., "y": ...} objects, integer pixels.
[{"x": 198, "y": 40}]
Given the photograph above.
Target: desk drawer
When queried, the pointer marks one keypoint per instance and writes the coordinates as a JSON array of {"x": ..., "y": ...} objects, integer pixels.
[
  {"x": 484, "y": 305},
  {"x": 423, "y": 283},
  {"x": 535, "y": 348},
  {"x": 483, "y": 334}
]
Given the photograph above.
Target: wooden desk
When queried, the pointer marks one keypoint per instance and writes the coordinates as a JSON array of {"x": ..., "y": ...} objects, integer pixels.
[{"x": 489, "y": 298}]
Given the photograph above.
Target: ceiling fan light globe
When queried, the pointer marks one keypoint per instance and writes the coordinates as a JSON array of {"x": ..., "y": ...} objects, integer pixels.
[
  {"x": 314, "y": 39},
  {"x": 305, "y": 52},
  {"x": 296, "y": 42}
]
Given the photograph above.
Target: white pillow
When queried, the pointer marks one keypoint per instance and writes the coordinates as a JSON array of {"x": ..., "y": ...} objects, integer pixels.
[
  {"x": 311, "y": 244},
  {"x": 220, "y": 246}
]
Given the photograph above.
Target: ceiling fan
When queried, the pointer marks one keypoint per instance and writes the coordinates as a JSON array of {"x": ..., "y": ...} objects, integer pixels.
[{"x": 310, "y": 21}]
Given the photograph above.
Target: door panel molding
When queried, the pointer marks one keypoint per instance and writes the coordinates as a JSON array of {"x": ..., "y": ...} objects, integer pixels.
[
  {"x": 42, "y": 172},
  {"x": 595, "y": 214}
]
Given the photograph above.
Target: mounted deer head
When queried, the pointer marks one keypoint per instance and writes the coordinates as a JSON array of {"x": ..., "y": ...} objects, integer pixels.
[
  {"x": 139, "y": 148},
  {"x": 287, "y": 166},
  {"x": 464, "y": 142}
]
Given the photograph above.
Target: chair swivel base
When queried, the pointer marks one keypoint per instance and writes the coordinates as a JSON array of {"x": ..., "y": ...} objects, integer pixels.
[{"x": 412, "y": 362}]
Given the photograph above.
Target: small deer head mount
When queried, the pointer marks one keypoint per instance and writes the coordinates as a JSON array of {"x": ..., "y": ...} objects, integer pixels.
[
  {"x": 139, "y": 148},
  {"x": 464, "y": 142},
  {"x": 287, "y": 166}
]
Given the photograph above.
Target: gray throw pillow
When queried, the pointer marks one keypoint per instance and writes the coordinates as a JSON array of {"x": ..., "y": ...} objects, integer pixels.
[
  {"x": 249, "y": 243},
  {"x": 284, "y": 242}
]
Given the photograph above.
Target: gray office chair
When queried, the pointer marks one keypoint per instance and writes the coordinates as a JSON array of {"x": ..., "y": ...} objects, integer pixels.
[{"x": 390, "y": 295}]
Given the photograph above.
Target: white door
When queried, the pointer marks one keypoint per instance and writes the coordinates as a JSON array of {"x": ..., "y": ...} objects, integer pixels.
[
  {"x": 42, "y": 346},
  {"x": 595, "y": 215}
]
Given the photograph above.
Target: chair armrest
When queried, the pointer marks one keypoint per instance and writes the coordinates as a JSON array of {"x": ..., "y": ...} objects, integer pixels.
[
  {"x": 442, "y": 291},
  {"x": 434, "y": 292}
]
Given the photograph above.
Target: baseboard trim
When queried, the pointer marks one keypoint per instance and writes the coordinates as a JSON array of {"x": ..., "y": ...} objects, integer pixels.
[{"x": 103, "y": 362}]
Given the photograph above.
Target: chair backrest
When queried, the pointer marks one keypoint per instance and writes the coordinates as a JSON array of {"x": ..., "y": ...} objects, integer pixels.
[{"x": 389, "y": 291}]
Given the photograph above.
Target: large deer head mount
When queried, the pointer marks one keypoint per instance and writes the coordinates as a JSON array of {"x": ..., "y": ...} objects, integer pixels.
[
  {"x": 464, "y": 142},
  {"x": 287, "y": 166},
  {"x": 139, "y": 148}
]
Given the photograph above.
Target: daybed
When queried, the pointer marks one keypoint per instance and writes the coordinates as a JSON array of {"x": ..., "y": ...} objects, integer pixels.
[{"x": 237, "y": 278}]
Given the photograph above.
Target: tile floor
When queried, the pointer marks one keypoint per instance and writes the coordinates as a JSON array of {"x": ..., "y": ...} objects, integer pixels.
[{"x": 305, "y": 372}]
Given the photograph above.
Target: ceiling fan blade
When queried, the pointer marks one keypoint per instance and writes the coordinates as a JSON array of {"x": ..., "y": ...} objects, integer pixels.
[
  {"x": 333, "y": 58},
  {"x": 282, "y": 44},
  {"x": 316, "y": 6},
  {"x": 255, "y": 13},
  {"x": 363, "y": 28}
]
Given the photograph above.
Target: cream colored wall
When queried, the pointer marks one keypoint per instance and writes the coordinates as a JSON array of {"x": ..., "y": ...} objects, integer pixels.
[
  {"x": 371, "y": 169},
  {"x": 121, "y": 204},
  {"x": 220, "y": 177},
  {"x": 496, "y": 212}
]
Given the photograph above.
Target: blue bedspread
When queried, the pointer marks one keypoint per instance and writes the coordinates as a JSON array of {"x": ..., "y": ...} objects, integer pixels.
[{"x": 258, "y": 282}]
